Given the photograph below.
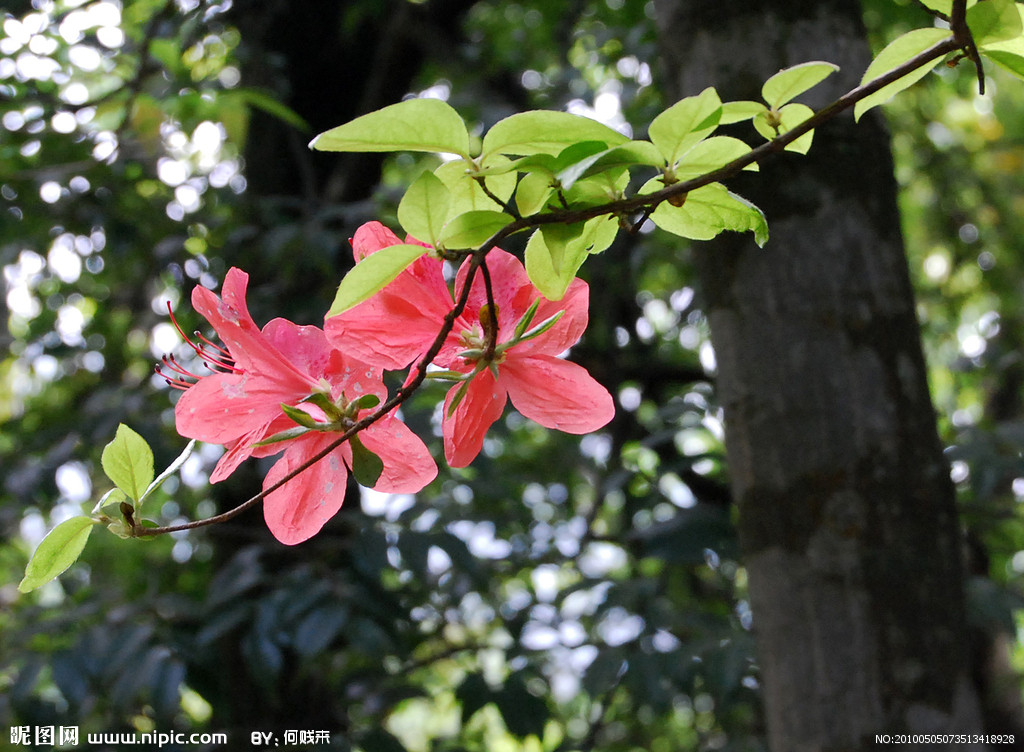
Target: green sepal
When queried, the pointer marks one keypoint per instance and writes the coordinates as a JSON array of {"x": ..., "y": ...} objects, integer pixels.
[
  {"x": 56, "y": 552},
  {"x": 366, "y": 466},
  {"x": 300, "y": 417},
  {"x": 897, "y": 52},
  {"x": 366, "y": 402},
  {"x": 372, "y": 274},
  {"x": 286, "y": 435},
  {"x": 128, "y": 462},
  {"x": 413, "y": 125},
  {"x": 794, "y": 81},
  {"x": 424, "y": 208},
  {"x": 460, "y": 394},
  {"x": 527, "y": 318}
]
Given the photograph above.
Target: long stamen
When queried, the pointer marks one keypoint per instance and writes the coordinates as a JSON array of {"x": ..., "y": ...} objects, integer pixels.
[{"x": 214, "y": 357}]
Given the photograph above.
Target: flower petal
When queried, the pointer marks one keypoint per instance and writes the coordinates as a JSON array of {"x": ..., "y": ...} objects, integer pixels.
[
  {"x": 222, "y": 407},
  {"x": 249, "y": 348},
  {"x": 556, "y": 393},
  {"x": 302, "y": 506},
  {"x": 464, "y": 431},
  {"x": 408, "y": 466}
]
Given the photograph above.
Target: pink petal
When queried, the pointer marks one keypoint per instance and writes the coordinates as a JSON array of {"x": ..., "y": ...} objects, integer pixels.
[
  {"x": 230, "y": 318},
  {"x": 408, "y": 466},
  {"x": 567, "y": 330},
  {"x": 302, "y": 506},
  {"x": 464, "y": 431},
  {"x": 556, "y": 393},
  {"x": 222, "y": 407},
  {"x": 370, "y": 238},
  {"x": 512, "y": 290}
]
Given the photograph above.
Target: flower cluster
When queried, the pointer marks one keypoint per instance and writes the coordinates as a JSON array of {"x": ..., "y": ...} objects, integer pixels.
[{"x": 298, "y": 388}]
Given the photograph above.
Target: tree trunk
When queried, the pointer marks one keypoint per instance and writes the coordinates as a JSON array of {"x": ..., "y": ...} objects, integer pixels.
[{"x": 847, "y": 518}]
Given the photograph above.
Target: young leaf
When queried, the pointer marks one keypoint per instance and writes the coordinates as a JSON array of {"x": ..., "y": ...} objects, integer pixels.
[
  {"x": 556, "y": 252},
  {"x": 56, "y": 552},
  {"x": 685, "y": 123},
  {"x": 412, "y": 125},
  {"x": 128, "y": 462},
  {"x": 994, "y": 21},
  {"x": 473, "y": 228},
  {"x": 790, "y": 116},
  {"x": 465, "y": 191},
  {"x": 792, "y": 82},
  {"x": 366, "y": 466},
  {"x": 372, "y": 274},
  {"x": 626, "y": 155},
  {"x": 533, "y": 192},
  {"x": 545, "y": 132},
  {"x": 897, "y": 52},
  {"x": 424, "y": 208}
]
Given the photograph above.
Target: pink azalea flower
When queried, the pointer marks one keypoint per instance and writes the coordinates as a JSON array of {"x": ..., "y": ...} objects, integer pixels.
[
  {"x": 239, "y": 406},
  {"x": 543, "y": 387}
]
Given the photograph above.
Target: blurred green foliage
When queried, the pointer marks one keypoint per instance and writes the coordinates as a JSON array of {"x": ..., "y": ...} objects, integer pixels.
[{"x": 559, "y": 594}]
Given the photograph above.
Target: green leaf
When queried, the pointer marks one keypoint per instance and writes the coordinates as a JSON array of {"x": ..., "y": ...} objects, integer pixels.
[
  {"x": 371, "y": 275},
  {"x": 556, "y": 252},
  {"x": 710, "y": 154},
  {"x": 472, "y": 229},
  {"x": 994, "y": 21},
  {"x": 424, "y": 208},
  {"x": 943, "y": 6},
  {"x": 268, "y": 103},
  {"x": 1011, "y": 61},
  {"x": 794, "y": 81},
  {"x": 545, "y": 132},
  {"x": 533, "y": 192},
  {"x": 171, "y": 469},
  {"x": 366, "y": 466},
  {"x": 897, "y": 52},
  {"x": 685, "y": 123},
  {"x": 790, "y": 116},
  {"x": 708, "y": 211},
  {"x": 128, "y": 462},
  {"x": 56, "y": 552},
  {"x": 412, "y": 125},
  {"x": 737, "y": 112},
  {"x": 498, "y": 174},
  {"x": 626, "y": 155}
]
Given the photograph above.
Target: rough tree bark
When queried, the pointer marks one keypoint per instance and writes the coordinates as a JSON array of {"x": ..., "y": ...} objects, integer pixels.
[{"x": 847, "y": 517}]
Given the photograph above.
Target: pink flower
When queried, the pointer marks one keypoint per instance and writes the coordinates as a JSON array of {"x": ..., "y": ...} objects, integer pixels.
[
  {"x": 543, "y": 387},
  {"x": 240, "y": 405}
]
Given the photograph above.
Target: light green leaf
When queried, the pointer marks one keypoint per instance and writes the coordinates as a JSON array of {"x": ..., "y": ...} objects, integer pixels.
[
  {"x": 466, "y": 194},
  {"x": 472, "y": 229},
  {"x": 128, "y": 462},
  {"x": 943, "y": 6},
  {"x": 708, "y": 211},
  {"x": 556, "y": 252},
  {"x": 685, "y": 123},
  {"x": 897, "y": 52},
  {"x": 533, "y": 192},
  {"x": 412, "y": 125},
  {"x": 737, "y": 112},
  {"x": 790, "y": 116},
  {"x": 56, "y": 552},
  {"x": 710, "y": 154},
  {"x": 267, "y": 102},
  {"x": 110, "y": 498},
  {"x": 1011, "y": 61},
  {"x": 794, "y": 81},
  {"x": 424, "y": 208},
  {"x": 366, "y": 466},
  {"x": 545, "y": 132},
  {"x": 626, "y": 155},
  {"x": 371, "y": 275},
  {"x": 995, "y": 21}
]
